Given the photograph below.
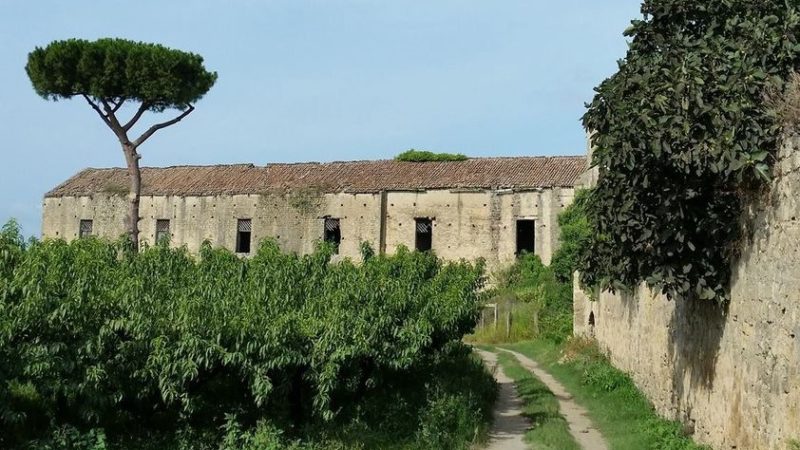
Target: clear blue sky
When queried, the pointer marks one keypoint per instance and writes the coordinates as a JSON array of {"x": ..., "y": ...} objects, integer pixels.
[{"x": 321, "y": 80}]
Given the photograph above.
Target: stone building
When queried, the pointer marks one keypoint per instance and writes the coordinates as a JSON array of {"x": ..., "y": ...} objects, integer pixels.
[{"x": 491, "y": 208}]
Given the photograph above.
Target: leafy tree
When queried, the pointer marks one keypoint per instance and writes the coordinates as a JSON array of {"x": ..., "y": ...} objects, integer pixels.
[
  {"x": 574, "y": 236},
  {"x": 109, "y": 73},
  {"x": 682, "y": 136},
  {"x": 93, "y": 337},
  {"x": 426, "y": 156}
]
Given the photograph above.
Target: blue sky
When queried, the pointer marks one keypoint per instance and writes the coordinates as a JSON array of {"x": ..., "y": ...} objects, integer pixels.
[{"x": 321, "y": 80}]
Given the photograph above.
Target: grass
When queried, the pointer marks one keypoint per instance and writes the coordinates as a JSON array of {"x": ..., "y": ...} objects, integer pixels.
[
  {"x": 524, "y": 323},
  {"x": 550, "y": 430},
  {"x": 621, "y": 412}
]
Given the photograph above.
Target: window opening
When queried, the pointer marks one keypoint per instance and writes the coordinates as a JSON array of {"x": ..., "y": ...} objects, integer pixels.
[
  {"x": 85, "y": 228},
  {"x": 333, "y": 232},
  {"x": 526, "y": 236},
  {"x": 244, "y": 230},
  {"x": 162, "y": 231},
  {"x": 423, "y": 241}
]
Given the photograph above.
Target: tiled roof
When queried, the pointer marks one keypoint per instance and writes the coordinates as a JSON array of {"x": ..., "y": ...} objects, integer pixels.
[{"x": 351, "y": 176}]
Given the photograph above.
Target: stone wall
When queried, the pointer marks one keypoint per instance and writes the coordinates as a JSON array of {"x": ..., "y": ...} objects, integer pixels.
[
  {"x": 732, "y": 373},
  {"x": 466, "y": 224}
]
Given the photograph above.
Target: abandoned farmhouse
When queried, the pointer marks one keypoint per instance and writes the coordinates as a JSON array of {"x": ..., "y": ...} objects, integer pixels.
[{"x": 491, "y": 208}]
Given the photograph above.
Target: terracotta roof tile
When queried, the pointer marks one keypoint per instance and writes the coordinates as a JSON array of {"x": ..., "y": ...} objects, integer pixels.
[{"x": 350, "y": 176}]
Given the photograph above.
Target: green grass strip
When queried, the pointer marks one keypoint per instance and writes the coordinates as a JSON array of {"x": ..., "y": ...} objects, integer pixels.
[
  {"x": 549, "y": 429},
  {"x": 620, "y": 411}
]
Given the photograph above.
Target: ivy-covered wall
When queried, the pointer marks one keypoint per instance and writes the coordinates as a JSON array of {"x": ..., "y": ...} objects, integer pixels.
[
  {"x": 730, "y": 373},
  {"x": 683, "y": 136}
]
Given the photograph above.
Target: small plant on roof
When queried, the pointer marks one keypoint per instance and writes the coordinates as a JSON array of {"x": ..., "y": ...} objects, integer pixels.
[{"x": 426, "y": 156}]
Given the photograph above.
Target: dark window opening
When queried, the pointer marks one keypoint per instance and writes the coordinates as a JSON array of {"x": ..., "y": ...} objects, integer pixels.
[
  {"x": 162, "y": 231},
  {"x": 85, "y": 228},
  {"x": 244, "y": 230},
  {"x": 423, "y": 241},
  {"x": 333, "y": 232},
  {"x": 526, "y": 236}
]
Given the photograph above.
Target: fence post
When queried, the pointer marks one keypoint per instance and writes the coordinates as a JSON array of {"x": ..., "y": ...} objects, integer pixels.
[{"x": 508, "y": 324}]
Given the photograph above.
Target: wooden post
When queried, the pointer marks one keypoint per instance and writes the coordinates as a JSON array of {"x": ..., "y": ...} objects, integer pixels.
[{"x": 508, "y": 324}]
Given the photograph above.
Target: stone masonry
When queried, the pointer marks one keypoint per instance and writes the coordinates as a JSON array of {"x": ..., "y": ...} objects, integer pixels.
[{"x": 730, "y": 373}]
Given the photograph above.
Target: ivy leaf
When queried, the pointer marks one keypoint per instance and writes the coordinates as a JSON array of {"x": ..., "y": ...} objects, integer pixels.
[{"x": 762, "y": 171}]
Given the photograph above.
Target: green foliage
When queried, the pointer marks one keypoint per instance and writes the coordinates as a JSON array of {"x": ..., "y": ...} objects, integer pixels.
[
  {"x": 70, "y": 438},
  {"x": 598, "y": 374},
  {"x": 681, "y": 134},
  {"x": 575, "y": 236},
  {"x": 94, "y": 336},
  {"x": 426, "y": 156},
  {"x": 152, "y": 74},
  {"x": 535, "y": 282},
  {"x": 524, "y": 323},
  {"x": 540, "y": 304}
]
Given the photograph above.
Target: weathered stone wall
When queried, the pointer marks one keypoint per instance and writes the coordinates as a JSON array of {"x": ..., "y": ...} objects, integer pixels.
[
  {"x": 478, "y": 224},
  {"x": 294, "y": 219},
  {"x": 467, "y": 224},
  {"x": 732, "y": 374}
]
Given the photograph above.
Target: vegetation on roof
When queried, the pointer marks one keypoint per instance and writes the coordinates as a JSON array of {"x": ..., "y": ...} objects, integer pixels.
[{"x": 426, "y": 156}]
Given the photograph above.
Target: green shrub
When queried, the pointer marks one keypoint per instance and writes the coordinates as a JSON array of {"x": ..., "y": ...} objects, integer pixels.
[
  {"x": 264, "y": 436},
  {"x": 426, "y": 156},
  {"x": 667, "y": 435},
  {"x": 95, "y": 337},
  {"x": 70, "y": 438},
  {"x": 459, "y": 407},
  {"x": 574, "y": 237},
  {"x": 443, "y": 422}
]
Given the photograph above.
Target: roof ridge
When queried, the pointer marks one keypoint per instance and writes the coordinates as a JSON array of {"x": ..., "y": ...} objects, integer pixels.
[{"x": 354, "y": 161}]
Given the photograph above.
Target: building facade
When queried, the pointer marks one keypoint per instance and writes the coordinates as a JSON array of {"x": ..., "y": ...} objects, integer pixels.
[{"x": 490, "y": 208}]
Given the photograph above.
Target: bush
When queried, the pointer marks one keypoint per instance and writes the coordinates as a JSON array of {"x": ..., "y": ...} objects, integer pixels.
[
  {"x": 450, "y": 415},
  {"x": 95, "y": 337},
  {"x": 575, "y": 236},
  {"x": 426, "y": 156}
]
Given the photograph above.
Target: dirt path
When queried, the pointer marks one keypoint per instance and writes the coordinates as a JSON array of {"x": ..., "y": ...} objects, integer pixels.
[
  {"x": 580, "y": 426},
  {"x": 509, "y": 426}
]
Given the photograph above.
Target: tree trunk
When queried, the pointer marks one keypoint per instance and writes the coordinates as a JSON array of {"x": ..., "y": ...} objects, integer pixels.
[
  {"x": 108, "y": 114},
  {"x": 135, "y": 174}
]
